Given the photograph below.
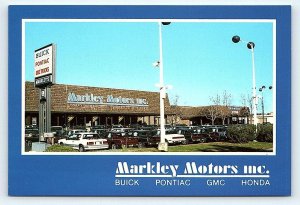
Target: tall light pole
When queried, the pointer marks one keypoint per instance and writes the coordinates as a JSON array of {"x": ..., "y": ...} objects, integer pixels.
[
  {"x": 262, "y": 101},
  {"x": 162, "y": 145},
  {"x": 251, "y": 45}
]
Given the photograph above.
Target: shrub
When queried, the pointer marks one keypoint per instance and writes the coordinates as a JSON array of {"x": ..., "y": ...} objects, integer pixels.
[
  {"x": 265, "y": 132},
  {"x": 241, "y": 133},
  {"x": 60, "y": 148}
]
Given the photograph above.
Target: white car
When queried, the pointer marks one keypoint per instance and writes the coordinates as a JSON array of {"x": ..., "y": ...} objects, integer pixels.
[
  {"x": 85, "y": 141},
  {"x": 173, "y": 138}
]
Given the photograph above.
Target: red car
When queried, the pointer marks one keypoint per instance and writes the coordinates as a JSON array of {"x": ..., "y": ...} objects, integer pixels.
[{"x": 118, "y": 140}]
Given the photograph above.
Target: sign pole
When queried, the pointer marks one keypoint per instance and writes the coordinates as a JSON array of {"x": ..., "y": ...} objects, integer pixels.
[
  {"x": 48, "y": 109},
  {"x": 41, "y": 116}
]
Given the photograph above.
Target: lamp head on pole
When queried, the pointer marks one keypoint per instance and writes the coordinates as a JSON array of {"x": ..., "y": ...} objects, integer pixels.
[
  {"x": 236, "y": 39},
  {"x": 250, "y": 45},
  {"x": 270, "y": 87},
  {"x": 262, "y": 88},
  {"x": 165, "y": 23},
  {"x": 156, "y": 64}
]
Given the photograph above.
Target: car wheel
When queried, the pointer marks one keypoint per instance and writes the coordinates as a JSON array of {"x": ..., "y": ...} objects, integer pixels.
[
  {"x": 184, "y": 142},
  {"x": 113, "y": 146},
  {"x": 61, "y": 143},
  {"x": 81, "y": 148},
  {"x": 202, "y": 140},
  {"x": 140, "y": 145}
]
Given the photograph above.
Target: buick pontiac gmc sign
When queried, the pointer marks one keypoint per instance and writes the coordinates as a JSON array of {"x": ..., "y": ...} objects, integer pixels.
[{"x": 44, "y": 65}]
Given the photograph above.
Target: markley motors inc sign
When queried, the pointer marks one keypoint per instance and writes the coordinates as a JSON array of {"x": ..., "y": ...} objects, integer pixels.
[{"x": 91, "y": 99}]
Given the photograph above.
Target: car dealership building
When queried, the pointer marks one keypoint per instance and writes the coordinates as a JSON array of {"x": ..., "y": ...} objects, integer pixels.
[{"x": 73, "y": 105}]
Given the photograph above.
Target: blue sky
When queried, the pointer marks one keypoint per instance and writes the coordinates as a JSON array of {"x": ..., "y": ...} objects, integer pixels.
[{"x": 200, "y": 60}]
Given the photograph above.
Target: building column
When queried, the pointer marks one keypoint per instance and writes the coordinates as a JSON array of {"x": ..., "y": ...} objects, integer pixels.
[{"x": 65, "y": 119}]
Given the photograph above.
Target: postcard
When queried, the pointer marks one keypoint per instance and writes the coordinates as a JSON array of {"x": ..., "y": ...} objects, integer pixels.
[{"x": 149, "y": 100}]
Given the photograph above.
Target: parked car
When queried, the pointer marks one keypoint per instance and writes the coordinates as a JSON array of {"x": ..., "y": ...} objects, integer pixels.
[
  {"x": 31, "y": 135},
  {"x": 116, "y": 127},
  {"x": 147, "y": 137},
  {"x": 179, "y": 126},
  {"x": 172, "y": 137},
  {"x": 85, "y": 141},
  {"x": 101, "y": 132},
  {"x": 135, "y": 126},
  {"x": 193, "y": 135},
  {"x": 123, "y": 129},
  {"x": 122, "y": 139},
  {"x": 151, "y": 126},
  {"x": 216, "y": 133},
  {"x": 169, "y": 127},
  {"x": 58, "y": 132},
  {"x": 97, "y": 127}
]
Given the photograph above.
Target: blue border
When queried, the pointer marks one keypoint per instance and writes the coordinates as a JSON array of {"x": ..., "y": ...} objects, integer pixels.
[{"x": 94, "y": 175}]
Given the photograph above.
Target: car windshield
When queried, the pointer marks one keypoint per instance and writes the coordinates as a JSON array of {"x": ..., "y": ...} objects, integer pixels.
[
  {"x": 171, "y": 132},
  {"x": 168, "y": 132},
  {"x": 73, "y": 137},
  {"x": 56, "y": 128},
  {"x": 91, "y": 136},
  {"x": 28, "y": 131}
]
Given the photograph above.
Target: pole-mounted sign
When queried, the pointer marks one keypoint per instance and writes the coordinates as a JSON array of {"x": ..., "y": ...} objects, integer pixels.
[
  {"x": 44, "y": 65},
  {"x": 44, "y": 77}
]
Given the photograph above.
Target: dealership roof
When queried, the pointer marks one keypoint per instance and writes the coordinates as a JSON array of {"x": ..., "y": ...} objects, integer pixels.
[
  {"x": 189, "y": 112},
  {"x": 142, "y": 102}
]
